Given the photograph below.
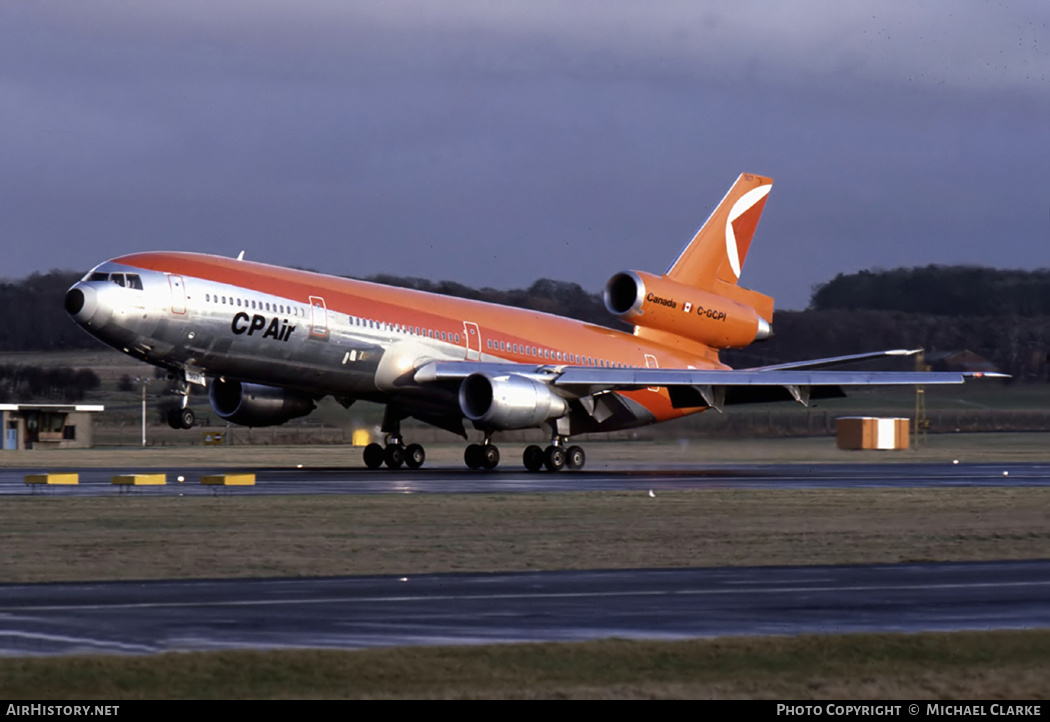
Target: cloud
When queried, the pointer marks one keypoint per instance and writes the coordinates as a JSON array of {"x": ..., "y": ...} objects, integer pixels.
[{"x": 493, "y": 143}]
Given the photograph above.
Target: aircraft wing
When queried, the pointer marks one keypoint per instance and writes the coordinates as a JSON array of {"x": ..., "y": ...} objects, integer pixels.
[{"x": 696, "y": 387}]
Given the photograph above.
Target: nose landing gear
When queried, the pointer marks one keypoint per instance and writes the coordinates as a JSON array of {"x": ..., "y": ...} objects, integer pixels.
[{"x": 183, "y": 417}]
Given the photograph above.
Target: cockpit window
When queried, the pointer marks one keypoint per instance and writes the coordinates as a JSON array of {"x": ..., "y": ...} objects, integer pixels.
[{"x": 126, "y": 280}]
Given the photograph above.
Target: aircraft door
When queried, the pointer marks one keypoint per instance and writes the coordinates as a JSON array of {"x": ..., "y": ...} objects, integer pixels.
[
  {"x": 178, "y": 294},
  {"x": 473, "y": 336},
  {"x": 652, "y": 363},
  {"x": 318, "y": 318}
]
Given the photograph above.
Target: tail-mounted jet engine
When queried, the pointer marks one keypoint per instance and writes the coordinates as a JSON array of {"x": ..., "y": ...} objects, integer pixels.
[
  {"x": 660, "y": 303},
  {"x": 255, "y": 404},
  {"x": 508, "y": 402}
]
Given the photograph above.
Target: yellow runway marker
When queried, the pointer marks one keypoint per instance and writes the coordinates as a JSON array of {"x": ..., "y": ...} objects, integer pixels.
[
  {"x": 229, "y": 480},
  {"x": 140, "y": 479},
  {"x": 65, "y": 478}
]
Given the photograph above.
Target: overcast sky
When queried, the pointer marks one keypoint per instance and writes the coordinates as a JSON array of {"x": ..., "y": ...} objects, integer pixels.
[{"x": 494, "y": 143}]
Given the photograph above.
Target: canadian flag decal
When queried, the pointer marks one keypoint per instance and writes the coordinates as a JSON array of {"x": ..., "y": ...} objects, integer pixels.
[{"x": 687, "y": 307}]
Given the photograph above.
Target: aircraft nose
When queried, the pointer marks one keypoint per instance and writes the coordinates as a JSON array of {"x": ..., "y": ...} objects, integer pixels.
[
  {"x": 82, "y": 303},
  {"x": 74, "y": 301}
]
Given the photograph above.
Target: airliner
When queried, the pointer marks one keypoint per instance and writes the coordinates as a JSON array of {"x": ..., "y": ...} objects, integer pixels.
[{"x": 269, "y": 342}]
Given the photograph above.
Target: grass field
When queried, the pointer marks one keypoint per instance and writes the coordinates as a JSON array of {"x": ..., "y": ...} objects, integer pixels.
[
  {"x": 140, "y": 537},
  {"x": 1012, "y": 665}
]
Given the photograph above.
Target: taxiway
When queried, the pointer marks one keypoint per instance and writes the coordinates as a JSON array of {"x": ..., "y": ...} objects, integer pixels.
[{"x": 359, "y": 612}]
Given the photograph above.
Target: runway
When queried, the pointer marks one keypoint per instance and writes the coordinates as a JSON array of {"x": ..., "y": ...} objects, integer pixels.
[
  {"x": 360, "y": 612},
  {"x": 610, "y": 477}
]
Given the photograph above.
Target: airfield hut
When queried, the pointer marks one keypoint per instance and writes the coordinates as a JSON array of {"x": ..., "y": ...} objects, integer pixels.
[
  {"x": 866, "y": 432},
  {"x": 47, "y": 426}
]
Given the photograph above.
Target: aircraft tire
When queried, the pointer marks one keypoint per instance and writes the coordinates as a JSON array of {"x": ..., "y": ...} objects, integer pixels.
[
  {"x": 533, "y": 458},
  {"x": 394, "y": 455},
  {"x": 374, "y": 456},
  {"x": 554, "y": 458},
  {"x": 414, "y": 456},
  {"x": 174, "y": 418},
  {"x": 186, "y": 418},
  {"x": 489, "y": 456},
  {"x": 472, "y": 456},
  {"x": 575, "y": 458}
]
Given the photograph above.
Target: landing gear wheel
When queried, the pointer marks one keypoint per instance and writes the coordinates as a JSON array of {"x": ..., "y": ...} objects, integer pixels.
[
  {"x": 181, "y": 418},
  {"x": 489, "y": 456},
  {"x": 414, "y": 456},
  {"x": 374, "y": 456},
  {"x": 473, "y": 456},
  {"x": 554, "y": 458},
  {"x": 394, "y": 455},
  {"x": 575, "y": 458},
  {"x": 533, "y": 458}
]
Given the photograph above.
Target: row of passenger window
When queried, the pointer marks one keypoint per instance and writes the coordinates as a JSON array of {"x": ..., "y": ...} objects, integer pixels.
[
  {"x": 400, "y": 328},
  {"x": 552, "y": 355},
  {"x": 253, "y": 304}
]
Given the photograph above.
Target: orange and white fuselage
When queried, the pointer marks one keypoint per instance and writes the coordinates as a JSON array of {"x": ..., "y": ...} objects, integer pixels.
[{"x": 269, "y": 341}]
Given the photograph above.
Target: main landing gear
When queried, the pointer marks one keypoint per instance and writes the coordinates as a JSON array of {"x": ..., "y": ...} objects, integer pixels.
[
  {"x": 482, "y": 456},
  {"x": 394, "y": 454},
  {"x": 555, "y": 457}
]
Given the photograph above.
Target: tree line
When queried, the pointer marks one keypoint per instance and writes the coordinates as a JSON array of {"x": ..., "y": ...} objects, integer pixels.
[
  {"x": 20, "y": 383},
  {"x": 939, "y": 290}
]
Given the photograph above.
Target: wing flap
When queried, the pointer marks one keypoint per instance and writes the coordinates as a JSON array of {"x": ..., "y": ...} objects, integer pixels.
[
  {"x": 836, "y": 360},
  {"x": 626, "y": 379}
]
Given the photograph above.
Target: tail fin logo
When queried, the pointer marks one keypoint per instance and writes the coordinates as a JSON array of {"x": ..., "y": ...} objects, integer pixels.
[{"x": 745, "y": 203}]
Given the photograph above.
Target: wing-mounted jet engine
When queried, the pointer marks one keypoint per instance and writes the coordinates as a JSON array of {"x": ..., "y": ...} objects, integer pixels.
[{"x": 256, "y": 404}]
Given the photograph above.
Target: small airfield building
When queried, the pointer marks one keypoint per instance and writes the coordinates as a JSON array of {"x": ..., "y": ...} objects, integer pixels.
[{"x": 47, "y": 426}]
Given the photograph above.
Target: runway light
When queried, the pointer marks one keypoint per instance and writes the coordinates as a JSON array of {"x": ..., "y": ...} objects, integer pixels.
[
  {"x": 404, "y": 579},
  {"x": 955, "y": 461},
  {"x": 1006, "y": 473},
  {"x": 651, "y": 493},
  {"x": 182, "y": 479},
  {"x": 298, "y": 466}
]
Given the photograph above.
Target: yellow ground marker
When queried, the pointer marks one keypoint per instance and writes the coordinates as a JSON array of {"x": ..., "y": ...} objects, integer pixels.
[
  {"x": 140, "y": 479},
  {"x": 229, "y": 480},
  {"x": 66, "y": 478}
]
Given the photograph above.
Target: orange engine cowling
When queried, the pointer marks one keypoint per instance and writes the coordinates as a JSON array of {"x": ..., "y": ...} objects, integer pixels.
[{"x": 659, "y": 303}]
